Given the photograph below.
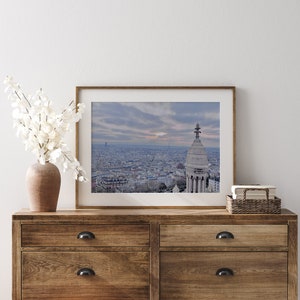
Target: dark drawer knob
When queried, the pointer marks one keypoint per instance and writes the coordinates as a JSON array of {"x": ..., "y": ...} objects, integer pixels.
[
  {"x": 86, "y": 272},
  {"x": 224, "y": 272},
  {"x": 86, "y": 235},
  {"x": 225, "y": 235}
]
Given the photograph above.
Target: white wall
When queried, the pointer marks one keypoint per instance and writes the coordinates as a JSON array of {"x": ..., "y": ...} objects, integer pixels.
[{"x": 252, "y": 44}]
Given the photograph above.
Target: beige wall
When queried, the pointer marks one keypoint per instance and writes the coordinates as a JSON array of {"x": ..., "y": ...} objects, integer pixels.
[{"x": 252, "y": 44}]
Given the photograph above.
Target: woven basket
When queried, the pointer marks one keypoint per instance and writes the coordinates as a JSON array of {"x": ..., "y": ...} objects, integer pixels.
[{"x": 253, "y": 206}]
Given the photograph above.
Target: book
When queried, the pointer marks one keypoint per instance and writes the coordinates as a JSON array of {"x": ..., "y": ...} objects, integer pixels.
[{"x": 254, "y": 192}]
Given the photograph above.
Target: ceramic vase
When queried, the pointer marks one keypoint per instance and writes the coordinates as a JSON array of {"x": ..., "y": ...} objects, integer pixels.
[{"x": 43, "y": 186}]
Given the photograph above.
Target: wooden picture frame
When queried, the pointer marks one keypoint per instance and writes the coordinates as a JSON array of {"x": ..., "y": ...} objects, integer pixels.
[{"x": 131, "y": 134}]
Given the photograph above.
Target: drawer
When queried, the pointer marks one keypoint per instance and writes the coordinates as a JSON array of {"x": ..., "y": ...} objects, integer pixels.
[
  {"x": 223, "y": 235},
  {"x": 226, "y": 276},
  {"x": 91, "y": 235},
  {"x": 117, "y": 275}
]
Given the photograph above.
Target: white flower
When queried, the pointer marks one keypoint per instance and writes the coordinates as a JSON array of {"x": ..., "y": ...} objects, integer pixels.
[{"x": 41, "y": 129}]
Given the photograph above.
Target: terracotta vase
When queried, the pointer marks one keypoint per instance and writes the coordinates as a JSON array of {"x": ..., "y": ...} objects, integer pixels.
[{"x": 43, "y": 186}]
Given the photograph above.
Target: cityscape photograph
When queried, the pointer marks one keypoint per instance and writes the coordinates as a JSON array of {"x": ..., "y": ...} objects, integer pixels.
[{"x": 155, "y": 147}]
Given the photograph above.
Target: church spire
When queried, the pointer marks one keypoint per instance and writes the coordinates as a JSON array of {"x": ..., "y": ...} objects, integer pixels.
[{"x": 197, "y": 130}]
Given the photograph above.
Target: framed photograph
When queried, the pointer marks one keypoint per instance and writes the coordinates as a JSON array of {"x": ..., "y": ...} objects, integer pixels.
[{"x": 153, "y": 146}]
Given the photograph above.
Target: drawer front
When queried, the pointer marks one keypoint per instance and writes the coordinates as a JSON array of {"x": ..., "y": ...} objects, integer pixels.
[
  {"x": 223, "y": 235},
  {"x": 192, "y": 275},
  {"x": 91, "y": 235},
  {"x": 53, "y": 275}
]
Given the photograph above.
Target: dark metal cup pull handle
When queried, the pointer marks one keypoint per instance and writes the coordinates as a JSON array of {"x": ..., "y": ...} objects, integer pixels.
[
  {"x": 86, "y": 235},
  {"x": 86, "y": 272},
  {"x": 224, "y": 272},
  {"x": 224, "y": 235}
]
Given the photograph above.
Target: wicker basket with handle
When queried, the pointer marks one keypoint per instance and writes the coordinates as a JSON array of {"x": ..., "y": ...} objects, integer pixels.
[{"x": 253, "y": 206}]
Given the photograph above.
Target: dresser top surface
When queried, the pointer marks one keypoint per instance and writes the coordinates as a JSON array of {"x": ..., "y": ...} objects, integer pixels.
[{"x": 149, "y": 214}]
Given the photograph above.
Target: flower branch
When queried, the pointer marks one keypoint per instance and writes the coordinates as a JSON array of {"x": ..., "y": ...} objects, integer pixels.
[{"x": 41, "y": 129}]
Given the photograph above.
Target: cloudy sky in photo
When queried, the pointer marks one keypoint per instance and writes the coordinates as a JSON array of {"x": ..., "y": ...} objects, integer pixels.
[{"x": 158, "y": 123}]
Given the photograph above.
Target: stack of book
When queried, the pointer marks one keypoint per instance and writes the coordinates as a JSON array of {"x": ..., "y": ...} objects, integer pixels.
[{"x": 253, "y": 192}]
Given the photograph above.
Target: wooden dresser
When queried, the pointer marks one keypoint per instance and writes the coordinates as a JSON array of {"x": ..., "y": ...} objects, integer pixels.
[{"x": 166, "y": 254}]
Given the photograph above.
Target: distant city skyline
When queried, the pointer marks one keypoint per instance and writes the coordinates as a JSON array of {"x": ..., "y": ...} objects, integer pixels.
[
  {"x": 157, "y": 123},
  {"x": 146, "y": 169}
]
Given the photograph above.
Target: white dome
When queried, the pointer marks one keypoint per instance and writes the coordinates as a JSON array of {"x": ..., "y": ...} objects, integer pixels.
[
  {"x": 196, "y": 160},
  {"x": 196, "y": 157}
]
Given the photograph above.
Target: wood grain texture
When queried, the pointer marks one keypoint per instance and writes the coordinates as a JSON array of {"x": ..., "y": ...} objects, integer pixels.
[
  {"x": 293, "y": 261},
  {"x": 154, "y": 254},
  {"x": 16, "y": 260},
  {"x": 205, "y": 235},
  {"x": 66, "y": 235},
  {"x": 154, "y": 261},
  {"x": 118, "y": 275},
  {"x": 192, "y": 276},
  {"x": 145, "y": 215}
]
